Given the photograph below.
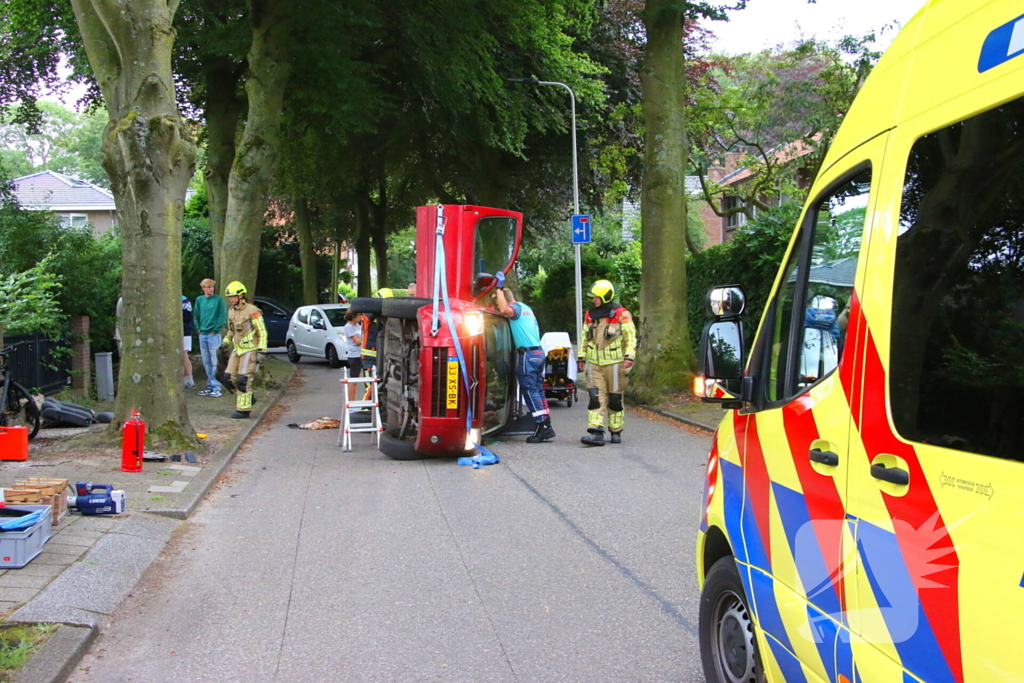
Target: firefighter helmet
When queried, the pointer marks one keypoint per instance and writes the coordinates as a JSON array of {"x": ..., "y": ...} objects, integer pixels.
[
  {"x": 236, "y": 288},
  {"x": 603, "y": 290}
]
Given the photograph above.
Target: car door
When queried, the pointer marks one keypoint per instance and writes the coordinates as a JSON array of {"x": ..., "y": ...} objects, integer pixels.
[
  {"x": 794, "y": 441},
  {"x": 300, "y": 330},
  {"x": 316, "y": 335},
  {"x": 938, "y": 478},
  {"x": 276, "y": 320}
]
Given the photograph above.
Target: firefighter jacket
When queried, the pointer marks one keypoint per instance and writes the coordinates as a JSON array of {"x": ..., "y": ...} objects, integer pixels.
[
  {"x": 609, "y": 340},
  {"x": 246, "y": 329}
]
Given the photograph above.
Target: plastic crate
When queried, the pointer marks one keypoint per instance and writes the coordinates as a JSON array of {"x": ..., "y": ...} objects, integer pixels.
[
  {"x": 18, "y": 548},
  {"x": 13, "y": 443}
]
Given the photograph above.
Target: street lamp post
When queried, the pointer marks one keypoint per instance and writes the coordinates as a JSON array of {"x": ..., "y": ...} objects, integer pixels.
[{"x": 576, "y": 202}]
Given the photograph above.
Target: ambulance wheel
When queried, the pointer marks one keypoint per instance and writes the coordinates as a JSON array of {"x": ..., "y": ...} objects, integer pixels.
[
  {"x": 728, "y": 645},
  {"x": 365, "y": 304},
  {"x": 403, "y": 307},
  {"x": 293, "y": 354},
  {"x": 332, "y": 357},
  {"x": 398, "y": 449}
]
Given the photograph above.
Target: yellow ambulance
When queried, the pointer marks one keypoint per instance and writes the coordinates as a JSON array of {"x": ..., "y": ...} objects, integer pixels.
[{"x": 863, "y": 513}]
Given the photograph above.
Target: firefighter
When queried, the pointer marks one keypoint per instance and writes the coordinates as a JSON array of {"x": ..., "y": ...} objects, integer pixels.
[
  {"x": 371, "y": 330},
  {"x": 609, "y": 345},
  {"x": 248, "y": 336}
]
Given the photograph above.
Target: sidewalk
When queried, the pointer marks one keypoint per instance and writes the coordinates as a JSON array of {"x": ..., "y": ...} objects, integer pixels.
[{"x": 91, "y": 563}]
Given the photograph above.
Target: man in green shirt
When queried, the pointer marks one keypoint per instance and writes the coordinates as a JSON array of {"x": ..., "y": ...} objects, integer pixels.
[{"x": 210, "y": 315}]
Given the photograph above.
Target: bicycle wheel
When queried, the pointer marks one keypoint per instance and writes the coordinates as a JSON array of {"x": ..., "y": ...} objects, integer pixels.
[{"x": 21, "y": 410}]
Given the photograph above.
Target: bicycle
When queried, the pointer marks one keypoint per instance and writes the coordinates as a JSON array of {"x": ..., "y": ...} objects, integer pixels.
[{"x": 17, "y": 407}]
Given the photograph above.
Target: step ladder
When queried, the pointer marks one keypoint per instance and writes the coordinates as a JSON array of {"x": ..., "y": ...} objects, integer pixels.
[{"x": 348, "y": 428}]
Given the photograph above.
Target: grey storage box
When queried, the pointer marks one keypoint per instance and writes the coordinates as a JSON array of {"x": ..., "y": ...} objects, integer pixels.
[{"x": 18, "y": 548}]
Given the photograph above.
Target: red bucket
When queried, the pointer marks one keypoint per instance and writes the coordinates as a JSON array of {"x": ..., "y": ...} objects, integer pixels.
[{"x": 13, "y": 443}]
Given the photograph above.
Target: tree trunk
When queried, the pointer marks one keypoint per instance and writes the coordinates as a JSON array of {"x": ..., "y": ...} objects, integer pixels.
[
  {"x": 223, "y": 107},
  {"x": 666, "y": 358},
  {"x": 363, "y": 285},
  {"x": 149, "y": 156},
  {"x": 307, "y": 255},
  {"x": 378, "y": 235},
  {"x": 257, "y": 154}
]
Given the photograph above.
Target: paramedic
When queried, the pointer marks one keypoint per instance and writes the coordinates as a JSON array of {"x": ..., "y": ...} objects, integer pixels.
[
  {"x": 529, "y": 358},
  {"x": 609, "y": 345},
  {"x": 248, "y": 334}
]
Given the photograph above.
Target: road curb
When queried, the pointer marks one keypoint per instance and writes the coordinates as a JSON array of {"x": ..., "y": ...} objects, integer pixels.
[
  {"x": 673, "y": 415},
  {"x": 202, "y": 484},
  {"x": 58, "y": 656}
]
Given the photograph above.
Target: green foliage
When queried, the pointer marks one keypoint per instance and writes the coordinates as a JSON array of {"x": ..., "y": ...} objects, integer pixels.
[
  {"x": 196, "y": 254},
  {"x": 199, "y": 204},
  {"x": 37, "y": 250},
  {"x": 750, "y": 260},
  {"x": 28, "y": 301},
  {"x": 402, "y": 257},
  {"x": 61, "y": 140}
]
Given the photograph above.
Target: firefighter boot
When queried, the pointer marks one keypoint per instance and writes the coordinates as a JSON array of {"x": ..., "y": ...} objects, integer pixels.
[
  {"x": 616, "y": 437},
  {"x": 543, "y": 433},
  {"x": 594, "y": 437}
]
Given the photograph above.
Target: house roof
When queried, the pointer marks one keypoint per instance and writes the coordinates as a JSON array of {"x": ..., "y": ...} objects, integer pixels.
[
  {"x": 781, "y": 155},
  {"x": 57, "y": 192}
]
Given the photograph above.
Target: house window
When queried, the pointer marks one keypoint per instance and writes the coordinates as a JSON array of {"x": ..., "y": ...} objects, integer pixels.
[
  {"x": 735, "y": 220},
  {"x": 75, "y": 220}
]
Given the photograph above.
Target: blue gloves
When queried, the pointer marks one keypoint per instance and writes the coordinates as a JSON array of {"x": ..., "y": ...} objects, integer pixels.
[
  {"x": 500, "y": 278},
  {"x": 479, "y": 460}
]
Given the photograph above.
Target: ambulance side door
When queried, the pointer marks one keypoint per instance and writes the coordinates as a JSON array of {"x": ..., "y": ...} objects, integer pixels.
[
  {"x": 936, "y": 477},
  {"x": 795, "y": 440}
]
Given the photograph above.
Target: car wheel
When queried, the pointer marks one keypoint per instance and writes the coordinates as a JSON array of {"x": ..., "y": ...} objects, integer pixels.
[
  {"x": 365, "y": 304},
  {"x": 403, "y": 307},
  {"x": 332, "y": 357},
  {"x": 568, "y": 402},
  {"x": 398, "y": 449},
  {"x": 728, "y": 645},
  {"x": 293, "y": 354}
]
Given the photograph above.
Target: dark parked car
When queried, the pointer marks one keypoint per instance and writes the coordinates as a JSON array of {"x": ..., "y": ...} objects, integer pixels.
[{"x": 275, "y": 316}]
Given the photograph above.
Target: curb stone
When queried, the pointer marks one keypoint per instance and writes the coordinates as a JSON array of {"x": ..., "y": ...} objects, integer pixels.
[
  {"x": 58, "y": 656},
  {"x": 673, "y": 415}
]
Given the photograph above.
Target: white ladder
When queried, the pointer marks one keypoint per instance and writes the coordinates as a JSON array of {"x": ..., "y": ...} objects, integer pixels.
[{"x": 347, "y": 428}]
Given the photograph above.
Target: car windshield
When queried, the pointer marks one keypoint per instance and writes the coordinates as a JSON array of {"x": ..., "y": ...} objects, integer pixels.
[
  {"x": 336, "y": 316},
  {"x": 499, "y": 350},
  {"x": 495, "y": 240}
]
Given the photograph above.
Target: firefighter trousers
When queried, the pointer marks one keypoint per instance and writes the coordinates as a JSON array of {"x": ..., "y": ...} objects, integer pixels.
[
  {"x": 242, "y": 368},
  {"x": 607, "y": 383}
]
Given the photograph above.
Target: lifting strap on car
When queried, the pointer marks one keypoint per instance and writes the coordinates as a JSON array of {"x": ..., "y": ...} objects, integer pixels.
[{"x": 441, "y": 295}]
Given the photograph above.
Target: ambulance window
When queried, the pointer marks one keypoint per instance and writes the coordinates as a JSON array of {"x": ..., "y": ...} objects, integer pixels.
[
  {"x": 956, "y": 365},
  {"x": 819, "y": 278}
]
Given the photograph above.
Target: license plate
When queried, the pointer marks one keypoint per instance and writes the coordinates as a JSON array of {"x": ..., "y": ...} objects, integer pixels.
[{"x": 452, "y": 402}]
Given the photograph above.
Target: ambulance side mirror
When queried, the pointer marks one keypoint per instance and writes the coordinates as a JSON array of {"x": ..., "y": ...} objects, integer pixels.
[{"x": 722, "y": 357}]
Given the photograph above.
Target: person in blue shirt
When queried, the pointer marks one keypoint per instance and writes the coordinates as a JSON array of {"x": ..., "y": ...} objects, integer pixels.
[{"x": 529, "y": 359}]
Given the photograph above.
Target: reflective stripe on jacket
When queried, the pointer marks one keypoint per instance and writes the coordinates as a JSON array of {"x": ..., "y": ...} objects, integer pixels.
[{"x": 609, "y": 340}]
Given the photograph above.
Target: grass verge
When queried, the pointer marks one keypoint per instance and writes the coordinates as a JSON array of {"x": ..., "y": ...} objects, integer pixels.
[{"x": 18, "y": 642}]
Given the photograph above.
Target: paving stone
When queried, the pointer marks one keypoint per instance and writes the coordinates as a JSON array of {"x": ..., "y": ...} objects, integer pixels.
[
  {"x": 36, "y": 581},
  {"x": 74, "y": 551},
  {"x": 7, "y": 607},
  {"x": 95, "y": 523},
  {"x": 54, "y": 559},
  {"x": 184, "y": 469},
  {"x": 8, "y": 594},
  {"x": 33, "y": 569},
  {"x": 166, "y": 489},
  {"x": 77, "y": 539}
]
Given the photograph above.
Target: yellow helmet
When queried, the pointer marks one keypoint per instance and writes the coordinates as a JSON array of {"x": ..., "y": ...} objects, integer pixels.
[
  {"x": 603, "y": 290},
  {"x": 236, "y": 288},
  {"x": 384, "y": 293}
]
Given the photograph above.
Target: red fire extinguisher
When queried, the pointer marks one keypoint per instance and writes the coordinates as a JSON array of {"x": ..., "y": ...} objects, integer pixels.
[{"x": 133, "y": 442}]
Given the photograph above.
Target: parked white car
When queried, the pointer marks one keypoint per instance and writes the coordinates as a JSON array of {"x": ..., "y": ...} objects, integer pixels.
[{"x": 315, "y": 331}]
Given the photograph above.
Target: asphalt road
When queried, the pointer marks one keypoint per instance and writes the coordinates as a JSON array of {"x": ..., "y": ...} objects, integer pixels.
[{"x": 561, "y": 563}]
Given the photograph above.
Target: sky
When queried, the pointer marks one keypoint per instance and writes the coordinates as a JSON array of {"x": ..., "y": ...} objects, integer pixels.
[{"x": 767, "y": 23}]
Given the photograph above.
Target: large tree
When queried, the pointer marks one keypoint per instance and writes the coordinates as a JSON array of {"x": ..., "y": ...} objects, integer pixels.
[
  {"x": 149, "y": 155},
  {"x": 666, "y": 358}
]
